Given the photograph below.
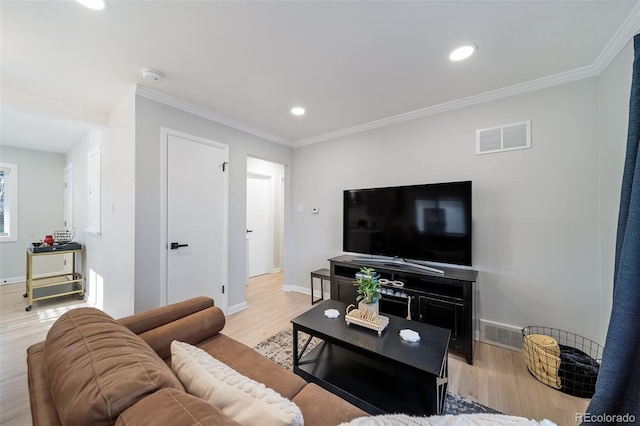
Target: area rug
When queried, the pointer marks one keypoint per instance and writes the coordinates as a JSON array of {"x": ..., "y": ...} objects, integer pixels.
[{"x": 279, "y": 348}]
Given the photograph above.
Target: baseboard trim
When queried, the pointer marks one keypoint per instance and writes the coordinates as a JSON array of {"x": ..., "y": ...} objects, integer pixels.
[
  {"x": 307, "y": 290},
  {"x": 237, "y": 308},
  {"x": 15, "y": 280}
]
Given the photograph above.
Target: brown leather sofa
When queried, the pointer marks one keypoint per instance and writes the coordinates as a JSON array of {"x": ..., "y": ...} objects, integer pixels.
[{"x": 92, "y": 369}]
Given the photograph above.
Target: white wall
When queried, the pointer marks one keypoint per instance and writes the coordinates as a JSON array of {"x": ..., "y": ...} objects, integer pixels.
[
  {"x": 150, "y": 117},
  {"x": 615, "y": 88},
  {"x": 109, "y": 266},
  {"x": 40, "y": 210},
  {"x": 536, "y": 212},
  {"x": 276, "y": 172},
  {"x": 118, "y": 209},
  {"x": 77, "y": 157}
]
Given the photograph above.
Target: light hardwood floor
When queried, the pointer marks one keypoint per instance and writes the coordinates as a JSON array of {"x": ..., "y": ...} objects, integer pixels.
[
  {"x": 498, "y": 378},
  {"x": 18, "y": 331}
]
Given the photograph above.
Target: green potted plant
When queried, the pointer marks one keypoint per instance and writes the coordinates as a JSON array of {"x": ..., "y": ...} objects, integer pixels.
[{"x": 368, "y": 290}]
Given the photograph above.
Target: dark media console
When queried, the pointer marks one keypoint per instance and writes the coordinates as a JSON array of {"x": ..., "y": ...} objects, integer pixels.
[{"x": 441, "y": 299}]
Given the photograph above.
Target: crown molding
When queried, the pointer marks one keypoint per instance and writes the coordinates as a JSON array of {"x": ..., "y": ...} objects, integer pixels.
[
  {"x": 629, "y": 28},
  {"x": 159, "y": 97},
  {"x": 625, "y": 33},
  {"x": 505, "y": 92}
]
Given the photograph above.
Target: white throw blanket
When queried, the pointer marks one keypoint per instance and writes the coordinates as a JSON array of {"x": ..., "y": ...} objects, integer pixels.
[{"x": 448, "y": 420}]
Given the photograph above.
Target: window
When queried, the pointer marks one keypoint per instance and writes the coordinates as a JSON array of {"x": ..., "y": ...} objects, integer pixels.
[
  {"x": 94, "y": 190},
  {"x": 8, "y": 202}
]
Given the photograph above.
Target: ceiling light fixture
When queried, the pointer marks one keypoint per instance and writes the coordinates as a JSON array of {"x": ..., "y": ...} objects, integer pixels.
[
  {"x": 297, "y": 111},
  {"x": 92, "y": 4},
  {"x": 150, "y": 74},
  {"x": 463, "y": 52}
]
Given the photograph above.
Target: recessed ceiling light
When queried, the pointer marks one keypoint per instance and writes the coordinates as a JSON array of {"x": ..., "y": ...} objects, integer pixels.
[
  {"x": 463, "y": 52},
  {"x": 297, "y": 111},
  {"x": 92, "y": 4}
]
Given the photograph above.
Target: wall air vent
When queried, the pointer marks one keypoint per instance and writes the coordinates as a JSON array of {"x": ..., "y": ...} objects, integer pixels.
[
  {"x": 503, "y": 138},
  {"x": 505, "y": 336}
]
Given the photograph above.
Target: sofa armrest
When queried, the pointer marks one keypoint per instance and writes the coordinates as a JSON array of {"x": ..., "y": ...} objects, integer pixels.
[
  {"x": 148, "y": 320},
  {"x": 191, "y": 329},
  {"x": 190, "y": 321},
  {"x": 43, "y": 411}
]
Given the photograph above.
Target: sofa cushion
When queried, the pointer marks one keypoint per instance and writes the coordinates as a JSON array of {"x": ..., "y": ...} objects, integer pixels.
[
  {"x": 322, "y": 408},
  {"x": 241, "y": 398},
  {"x": 96, "y": 368},
  {"x": 250, "y": 363},
  {"x": 169, "y": 407}
]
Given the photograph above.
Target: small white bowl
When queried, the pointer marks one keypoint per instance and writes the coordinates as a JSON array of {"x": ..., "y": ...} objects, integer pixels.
[
  {"x": 332, "y": 313},
  {"x": 409, "y": 335}
]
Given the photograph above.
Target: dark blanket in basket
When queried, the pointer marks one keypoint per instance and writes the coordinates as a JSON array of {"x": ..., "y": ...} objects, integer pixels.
[{"x": 578, "y": 372}]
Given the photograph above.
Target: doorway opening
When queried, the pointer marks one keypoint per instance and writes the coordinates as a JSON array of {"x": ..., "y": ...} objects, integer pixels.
[{"x": 265, "y": 217}]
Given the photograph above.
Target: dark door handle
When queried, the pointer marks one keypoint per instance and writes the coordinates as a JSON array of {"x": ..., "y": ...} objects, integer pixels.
[
  {"x": 175, "y": 246},
  {"x": 249, "y": 230}
]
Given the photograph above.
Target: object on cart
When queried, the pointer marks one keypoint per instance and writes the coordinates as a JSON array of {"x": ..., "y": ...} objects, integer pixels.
[
  {"x": 40, "y": 247},
  {"x": 62, "y": 237}
]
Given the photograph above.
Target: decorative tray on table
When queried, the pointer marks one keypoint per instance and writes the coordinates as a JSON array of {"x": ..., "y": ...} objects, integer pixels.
[
  {"x": 40, "y": 248},
  {"x": 366, "y": 319}
]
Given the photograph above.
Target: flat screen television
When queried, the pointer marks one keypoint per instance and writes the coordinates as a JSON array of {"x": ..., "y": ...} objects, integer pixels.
[{"x": 430, "y": 222}]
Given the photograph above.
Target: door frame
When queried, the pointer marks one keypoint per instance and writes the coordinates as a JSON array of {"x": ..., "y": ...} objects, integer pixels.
[
  {"x": 281, "y": 218},
  {"x": 270, "y": 219},
  {"x": 68, "y": 171},
  {"x": 68, "y": 213},
  {"x": 164, "y": 243}
]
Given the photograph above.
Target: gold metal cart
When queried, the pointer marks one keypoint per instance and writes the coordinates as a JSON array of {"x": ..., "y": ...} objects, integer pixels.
[{"x": 51, "y": 286}]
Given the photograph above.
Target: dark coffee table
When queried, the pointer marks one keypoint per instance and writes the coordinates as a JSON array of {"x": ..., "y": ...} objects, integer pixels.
[{"x": 378, "y": 374}]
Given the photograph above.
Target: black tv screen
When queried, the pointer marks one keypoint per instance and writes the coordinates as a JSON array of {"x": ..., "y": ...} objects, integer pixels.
[{"x": 430, "y": 222}]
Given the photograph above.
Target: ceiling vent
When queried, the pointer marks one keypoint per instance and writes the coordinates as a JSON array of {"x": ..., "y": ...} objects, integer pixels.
[{"x": 504, "y": 138}]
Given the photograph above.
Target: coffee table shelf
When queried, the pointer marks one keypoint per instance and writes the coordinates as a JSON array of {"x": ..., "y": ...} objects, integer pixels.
[{"x": 379, "y": 374}]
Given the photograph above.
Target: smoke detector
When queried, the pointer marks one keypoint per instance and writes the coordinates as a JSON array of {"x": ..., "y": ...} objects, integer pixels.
[{"x": 150, "y": 74}]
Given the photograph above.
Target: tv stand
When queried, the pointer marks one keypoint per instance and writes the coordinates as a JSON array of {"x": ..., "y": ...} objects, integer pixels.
[
  {"x": 444, "y": 299},
  {"x": 397, "y": 261}
]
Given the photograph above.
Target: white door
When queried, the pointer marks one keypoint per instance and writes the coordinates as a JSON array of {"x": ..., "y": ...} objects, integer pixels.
[
  {"x": 196, "y": 201},
  {"x": 68, "y": 212},
  {"x": 258, "y": 215}
]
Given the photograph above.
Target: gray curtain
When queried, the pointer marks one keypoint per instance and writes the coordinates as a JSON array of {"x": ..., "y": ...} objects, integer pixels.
[{"x": 618, "y": 386}]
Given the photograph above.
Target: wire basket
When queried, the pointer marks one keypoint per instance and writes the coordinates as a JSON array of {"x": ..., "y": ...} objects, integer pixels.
[
  {"x": 562, "y": 360},
  {"x": 62, "y": 237}
]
